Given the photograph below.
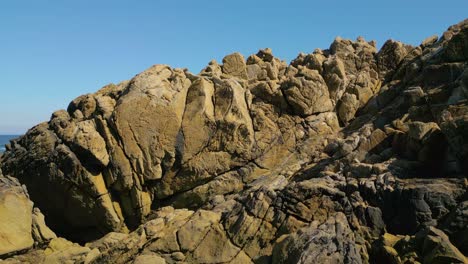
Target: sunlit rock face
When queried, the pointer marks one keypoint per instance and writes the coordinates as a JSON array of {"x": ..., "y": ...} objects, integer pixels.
[{"x": 348, "y": 155}]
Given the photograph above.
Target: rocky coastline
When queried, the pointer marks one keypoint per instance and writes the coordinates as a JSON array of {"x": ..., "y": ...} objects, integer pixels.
[{"x": 345, "y": 155}]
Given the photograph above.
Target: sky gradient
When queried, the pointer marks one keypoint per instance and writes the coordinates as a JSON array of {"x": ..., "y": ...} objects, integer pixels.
[{"x": 53, "y": 51}]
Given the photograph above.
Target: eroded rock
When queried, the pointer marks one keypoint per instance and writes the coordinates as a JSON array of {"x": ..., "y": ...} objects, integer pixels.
[{"x": 346, "y": 155}]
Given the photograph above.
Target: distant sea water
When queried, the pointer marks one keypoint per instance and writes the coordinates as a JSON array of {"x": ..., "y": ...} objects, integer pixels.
[{"x": 5, "y": 139}]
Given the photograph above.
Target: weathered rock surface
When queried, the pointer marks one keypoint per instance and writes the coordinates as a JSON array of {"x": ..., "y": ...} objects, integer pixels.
[
  {"x": 16, "y": 221},
  {"x": 429, "y": 245},
  {"x": 21, "y": 225},
  {"x": 346, "y": 155}
]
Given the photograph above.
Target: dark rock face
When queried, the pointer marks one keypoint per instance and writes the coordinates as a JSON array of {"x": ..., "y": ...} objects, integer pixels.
[{"x": 346, "y": 155}]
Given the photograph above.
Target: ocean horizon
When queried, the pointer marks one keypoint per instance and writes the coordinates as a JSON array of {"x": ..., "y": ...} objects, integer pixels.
[{"x": 5, "y": 139}]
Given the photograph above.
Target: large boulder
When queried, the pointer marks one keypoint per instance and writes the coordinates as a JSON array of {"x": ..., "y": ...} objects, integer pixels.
[
  {"x": 21, "y": 224},
  {"x": 234, "y": 65},
  {"x": 307, "y": 94},
  {"x": 16, "y": 217}
]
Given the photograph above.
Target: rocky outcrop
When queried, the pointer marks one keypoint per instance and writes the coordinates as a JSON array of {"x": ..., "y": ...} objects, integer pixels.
[
  {"x": 21, "y": 225},
  {"x": 346, "y": 155}
]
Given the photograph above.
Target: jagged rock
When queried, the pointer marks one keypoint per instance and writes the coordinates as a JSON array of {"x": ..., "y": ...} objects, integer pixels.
[
  {"x": 429, "y": 41},
  {"x": 412, "y": 204},
  {"x": 456, "y": 47},
  {"x": 390, "y": 56},
  {"x": 430, "y": 245},
  {"x": 332, "y": 242},
  {"x": 456, "y": 226},
  {"x": 212, "y": 70},
  {"x": 417, "y": 130},
  {"x": 335, "y": 76},
  {"x": 307, "y": 95},
  {"x": 247, "y": 163},
  {"x": 361, "y": 170},
  {"x": 265, "y": 55},
  {"x": 347, "y": 108},
  {"x": 436, "y": 247}
]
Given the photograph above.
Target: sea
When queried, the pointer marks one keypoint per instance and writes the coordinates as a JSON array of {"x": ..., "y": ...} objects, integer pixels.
[{"x": 5, "y": 139}]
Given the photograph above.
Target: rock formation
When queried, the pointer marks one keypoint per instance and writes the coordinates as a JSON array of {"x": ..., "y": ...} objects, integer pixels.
[{"x": 346, "y": 155}]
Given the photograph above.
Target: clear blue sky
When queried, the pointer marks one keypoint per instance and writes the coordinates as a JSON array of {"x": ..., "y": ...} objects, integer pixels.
[{"x": 53, "y": 51}]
